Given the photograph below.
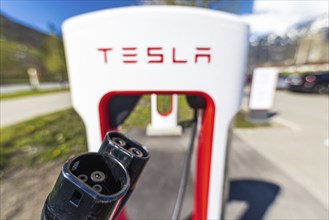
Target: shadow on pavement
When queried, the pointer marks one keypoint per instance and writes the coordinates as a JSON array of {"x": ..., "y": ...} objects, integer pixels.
[{"x": 259, "y": 195}]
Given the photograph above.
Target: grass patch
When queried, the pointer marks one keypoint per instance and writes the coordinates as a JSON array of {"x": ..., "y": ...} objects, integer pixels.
[
  {"x": 164, "y": 103},
  {"x": 241, "y": 122},
  {"x": 54, "y": 136},
  {"x": 21, "y": 94},
  {"x": 185, "y": 113},
  {"x": 141, "y": 116}
]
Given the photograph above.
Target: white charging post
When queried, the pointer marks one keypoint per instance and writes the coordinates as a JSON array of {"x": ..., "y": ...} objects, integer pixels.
[
  {"x": 164, "y": 124},
  {"x": 262, "y": 93},
  {"x": 162, "y": 50}
]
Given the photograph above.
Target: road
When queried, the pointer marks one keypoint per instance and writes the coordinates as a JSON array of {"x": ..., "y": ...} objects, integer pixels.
[
  {"x": 296, "y": 143},
  {"x": 16, "y": 110},
  {"x": 25, "y": 87}
]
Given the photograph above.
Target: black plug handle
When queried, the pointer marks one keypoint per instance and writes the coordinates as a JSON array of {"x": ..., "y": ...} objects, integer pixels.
[{"x": 96, "y": 186}]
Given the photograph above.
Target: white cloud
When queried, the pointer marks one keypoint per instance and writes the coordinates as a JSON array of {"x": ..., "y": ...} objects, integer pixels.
[{"x": 278, "y": 15}]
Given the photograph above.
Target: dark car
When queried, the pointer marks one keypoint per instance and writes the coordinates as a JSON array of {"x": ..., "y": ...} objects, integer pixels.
[{"x": 309, "y": 82}]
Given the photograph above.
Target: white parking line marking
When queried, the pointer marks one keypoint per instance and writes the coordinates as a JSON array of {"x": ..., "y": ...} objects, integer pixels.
[{"x": 293, "y": 126}]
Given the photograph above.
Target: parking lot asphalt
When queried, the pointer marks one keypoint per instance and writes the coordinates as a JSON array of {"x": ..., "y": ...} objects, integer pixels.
[
  {"x": 296, "y": 141},
  {"x": 258, "y": 188}
]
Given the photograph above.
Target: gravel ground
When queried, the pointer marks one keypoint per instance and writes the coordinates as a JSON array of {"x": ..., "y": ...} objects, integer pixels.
[{"x": 24, "y": 191}]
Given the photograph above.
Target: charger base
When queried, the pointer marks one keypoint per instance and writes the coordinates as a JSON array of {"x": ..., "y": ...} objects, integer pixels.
[{"x": 175, "y": 131}]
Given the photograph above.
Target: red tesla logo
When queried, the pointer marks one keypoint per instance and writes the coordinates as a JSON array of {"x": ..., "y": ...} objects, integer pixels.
[{"x": 155, "y": 55}]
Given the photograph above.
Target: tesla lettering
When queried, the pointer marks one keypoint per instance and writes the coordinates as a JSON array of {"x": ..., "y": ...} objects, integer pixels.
[{"x": 156, "y": 55}]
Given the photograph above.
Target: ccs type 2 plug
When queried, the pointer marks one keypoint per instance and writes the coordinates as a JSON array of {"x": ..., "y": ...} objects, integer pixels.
[
  {"x": 130, "y": 153},
  {"x": 97, "y": 185}
]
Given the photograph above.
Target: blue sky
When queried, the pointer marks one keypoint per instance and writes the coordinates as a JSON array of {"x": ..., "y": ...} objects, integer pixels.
[
  {"x": 39, "y": 14},
  {"x": 263, "y": 16}
]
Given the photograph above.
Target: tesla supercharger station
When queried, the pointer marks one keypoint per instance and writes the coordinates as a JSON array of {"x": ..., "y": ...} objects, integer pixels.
[{"x": 162, "y": 50}]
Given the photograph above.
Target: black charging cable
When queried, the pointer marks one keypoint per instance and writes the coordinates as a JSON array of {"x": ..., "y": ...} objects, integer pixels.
[{"x": 196, "y": 124}]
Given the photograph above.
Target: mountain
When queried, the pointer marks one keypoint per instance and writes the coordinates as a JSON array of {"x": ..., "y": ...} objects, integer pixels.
[
  {"x": 21, "y": 34},
  {"x": 308, "y": 27},
  {"x": 23, "y": 48},
  {"x": 306, "y": 42}
]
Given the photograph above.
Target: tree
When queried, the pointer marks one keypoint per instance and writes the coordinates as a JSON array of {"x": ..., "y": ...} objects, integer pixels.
[{"x": 54, "y": 58}]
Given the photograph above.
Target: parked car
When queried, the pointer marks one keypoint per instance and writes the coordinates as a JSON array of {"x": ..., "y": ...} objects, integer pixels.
[
  {"x": 309, "y": 82},
  {"x": 282, "y": 82}
]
